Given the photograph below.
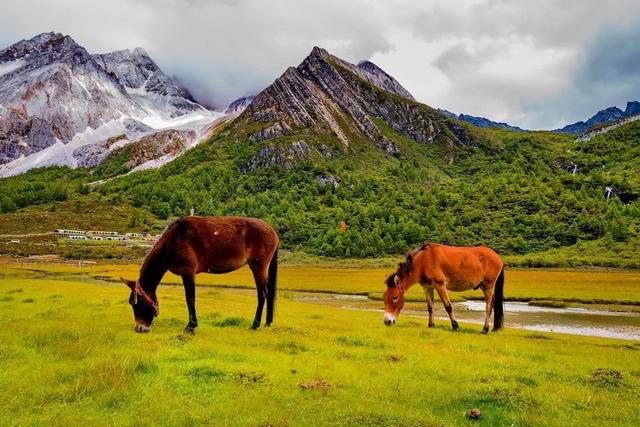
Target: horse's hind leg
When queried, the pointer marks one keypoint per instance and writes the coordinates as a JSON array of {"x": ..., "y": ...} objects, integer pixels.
[
  {"x": 189, "y": 282},
  {"x": 488, "y": 299},
  {"x": 260, "y": 275},
  {"x": 428, "y": 291},
  {"x": 444, "y": 297}
]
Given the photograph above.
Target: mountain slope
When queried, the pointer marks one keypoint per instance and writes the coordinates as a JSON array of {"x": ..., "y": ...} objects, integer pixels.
[{"x": 55, "y": 96}]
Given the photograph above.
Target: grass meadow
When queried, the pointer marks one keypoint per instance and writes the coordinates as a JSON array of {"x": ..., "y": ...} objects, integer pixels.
[{"x": 69, "y": 356}]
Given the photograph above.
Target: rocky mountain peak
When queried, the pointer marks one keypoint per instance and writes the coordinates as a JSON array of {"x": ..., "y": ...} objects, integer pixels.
[
  {"x": 46, "y": 48},
  {"x": 377, "y": 76},
  {"x": 319, "y": 52},
  {"x": 633, "y": 108},
  {"x": 334, "y": 96}
]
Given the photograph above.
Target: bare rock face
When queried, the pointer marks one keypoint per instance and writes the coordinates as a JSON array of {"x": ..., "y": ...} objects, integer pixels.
[
  {"x": 330, "y": 95},
  {"x": 239, "y": 105},
  {"x": 145, "y": 82},
  {"x": 171, "y": 142},
  {"x": 378, "y": 77},
  {"x": 285, "y": 156},
  {"x": 52, "y": 89}
]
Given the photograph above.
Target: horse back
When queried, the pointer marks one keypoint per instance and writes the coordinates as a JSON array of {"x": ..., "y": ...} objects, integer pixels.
[
  {"x": 218, "y": 244},
  {"x": 460, "y": 267}
]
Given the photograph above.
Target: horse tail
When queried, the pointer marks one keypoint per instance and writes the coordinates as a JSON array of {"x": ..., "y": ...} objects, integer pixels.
[
  {"x": 498, "y": 302},
  {"x": 272, "y": 282}
]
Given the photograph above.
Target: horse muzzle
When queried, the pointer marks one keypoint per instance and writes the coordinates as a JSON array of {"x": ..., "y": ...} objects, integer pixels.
[
  {"x": 389, "y": 319},
  {"x": 142, "y": 328}
]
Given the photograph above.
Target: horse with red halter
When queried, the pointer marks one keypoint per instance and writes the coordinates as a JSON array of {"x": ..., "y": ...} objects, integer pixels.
[
  {"x": 448, "y": 268},
  {"x": 193, "y": 245}
]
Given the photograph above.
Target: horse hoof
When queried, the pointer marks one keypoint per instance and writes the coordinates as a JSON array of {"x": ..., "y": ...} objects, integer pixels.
[
  {"x": 254, "y": 327},
  {"x": 431, "y": 325},
  {"x": 455, "y": 328},
  {"x": 189, "y": 330},
  {"x": 485, "y": 331},
  {"x": 267, "y": 325}
]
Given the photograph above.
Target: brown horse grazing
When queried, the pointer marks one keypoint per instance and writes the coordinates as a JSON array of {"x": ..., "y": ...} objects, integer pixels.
[
  {"x": 193, "y": 245},
  {"x": 443, "y": 268}
]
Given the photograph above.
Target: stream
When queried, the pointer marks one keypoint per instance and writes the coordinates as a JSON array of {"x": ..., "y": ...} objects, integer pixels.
[{"x": 577, "y": 321}]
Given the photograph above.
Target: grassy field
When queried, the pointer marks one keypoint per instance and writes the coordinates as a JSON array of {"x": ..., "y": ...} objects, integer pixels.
[{"x": 69, "y": 356}]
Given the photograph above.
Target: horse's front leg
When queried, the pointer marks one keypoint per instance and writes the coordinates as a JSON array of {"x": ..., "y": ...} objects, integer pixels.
[
  {"x": 189, "y": 282},
  {"x": 444, "y": 297},
  {"x": 428, "y": 292}
]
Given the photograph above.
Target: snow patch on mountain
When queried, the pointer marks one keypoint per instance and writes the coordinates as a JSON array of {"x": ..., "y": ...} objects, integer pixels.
[
  {"x": 11, "y": 66},
  {"x": 56, "y": 98}
]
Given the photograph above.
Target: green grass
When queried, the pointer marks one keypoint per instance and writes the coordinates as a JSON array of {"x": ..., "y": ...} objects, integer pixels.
[{"x": 68, "y": 355}]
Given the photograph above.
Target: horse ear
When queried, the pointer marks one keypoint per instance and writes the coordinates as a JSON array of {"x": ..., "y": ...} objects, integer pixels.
[{"x": 130, "y": 283}]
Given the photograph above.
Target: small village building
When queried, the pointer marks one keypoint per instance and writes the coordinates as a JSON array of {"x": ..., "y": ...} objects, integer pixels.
[
  {"x": 70, "y": 232},
  {"x": 77, "y": 237}
]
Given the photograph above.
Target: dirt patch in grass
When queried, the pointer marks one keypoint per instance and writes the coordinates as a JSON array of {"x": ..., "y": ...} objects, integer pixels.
[
  {"x": 393, "y": 358},
  {"x": 291, "y": 347},
  {"x": 249, "y": 378},
  {"x": 606, "y": 377},
  {"x": 537, "y": 337},
  {"x": 313, "y": 384}
]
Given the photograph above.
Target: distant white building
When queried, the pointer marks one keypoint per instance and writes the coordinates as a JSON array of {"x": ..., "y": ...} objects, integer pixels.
[
  {"x": 116, "y": 238},
  {"x": 102, "y": 233},
  {"x": 77, "y": 237},
  {"x": 135, "y": 235},
  {"x": 70, "y": 232}
]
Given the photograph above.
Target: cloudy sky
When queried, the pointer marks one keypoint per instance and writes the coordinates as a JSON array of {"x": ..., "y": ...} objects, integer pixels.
[{"x": 537, "y": 64}]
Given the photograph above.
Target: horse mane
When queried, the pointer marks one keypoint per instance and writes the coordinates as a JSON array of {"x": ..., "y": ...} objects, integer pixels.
[
  {"x": 405, "y": 267},
  {"x": 156, "y": 249}
]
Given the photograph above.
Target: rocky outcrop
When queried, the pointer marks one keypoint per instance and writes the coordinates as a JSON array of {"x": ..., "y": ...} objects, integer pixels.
[
  {"x": 239, "y": 105},
  {"x": 285, "y": 156},
  {"x": 272, "y": 131},
  {"x": 378, "y": 77},
  {"x": 171, "y": 142},
  {"x": 330, "y": 95}
]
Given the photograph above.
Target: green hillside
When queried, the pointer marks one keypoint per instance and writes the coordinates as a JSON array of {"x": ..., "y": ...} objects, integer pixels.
[{"x": 509, "y": 190}]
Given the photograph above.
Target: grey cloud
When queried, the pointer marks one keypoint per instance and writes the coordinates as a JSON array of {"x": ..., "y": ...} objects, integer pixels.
[
  {"x": 224, "y": 49},
  {"x": 608, "y": 74}
]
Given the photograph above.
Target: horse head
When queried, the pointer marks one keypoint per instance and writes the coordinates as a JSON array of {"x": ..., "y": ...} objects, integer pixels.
[
  {"x": 397, "y": 283},
  {"x": 144, "y": 307}
]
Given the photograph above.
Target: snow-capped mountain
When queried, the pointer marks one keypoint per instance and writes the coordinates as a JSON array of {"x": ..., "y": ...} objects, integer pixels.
[{"x": 55, "y": 97}]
